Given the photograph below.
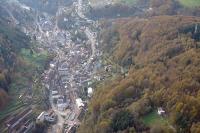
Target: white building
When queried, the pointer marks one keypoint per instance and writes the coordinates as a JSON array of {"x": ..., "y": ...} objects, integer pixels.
[
  {"x": 65, "y": 19},
  {"x": 160, "y": 111},
  {"x": 79, "y": 102},
  {"x": 90, "y": 91},
  {"x": 52, "y": 65},
  {"x": 56, "y": 96},
  {"x": 40, "y": 118},
  {"x": 54, "y": 92}
]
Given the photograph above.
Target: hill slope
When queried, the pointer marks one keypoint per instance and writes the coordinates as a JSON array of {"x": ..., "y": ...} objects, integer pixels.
[
  {"x": 162, "y": 56},
  {"x": 11, "y": 41},
  {"x": 19, "y": 62}
]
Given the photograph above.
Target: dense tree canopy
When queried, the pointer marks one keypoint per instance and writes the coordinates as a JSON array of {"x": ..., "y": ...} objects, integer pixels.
[
  {"x": 18, "y": 60},
  {"x": 122, "y": 120},
  {"x": 163, "y": 72}
]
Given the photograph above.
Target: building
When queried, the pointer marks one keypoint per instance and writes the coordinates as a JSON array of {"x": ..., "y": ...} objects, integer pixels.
[
  {"x": 62, "y": 107},
  {"x": 161, "y": 111},
  {"x": 62, "y": 103},
  {"x": 40, "y": 118},
  {"x": 90, "y": 91},
  {"x": 50, "y": 117},
  {"x": 56, "y": 96},
  {"x": 47, "y": 116},
  {"x": 79, "y": 102},
  {"x": 54, "y": 92}
]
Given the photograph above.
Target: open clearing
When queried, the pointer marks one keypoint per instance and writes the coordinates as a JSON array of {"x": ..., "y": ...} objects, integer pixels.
[{"x": 153, "y": 118}]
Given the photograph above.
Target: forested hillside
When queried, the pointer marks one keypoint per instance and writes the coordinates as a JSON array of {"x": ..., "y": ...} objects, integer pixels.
[
  {"x": 11, "y": 41},
  {"x": 18, "y": 62},
  {"x": 144, "y": 8},
  {"x": 162, "y": 57}
]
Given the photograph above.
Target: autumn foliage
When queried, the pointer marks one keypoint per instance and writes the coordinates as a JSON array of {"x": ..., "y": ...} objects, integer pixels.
[{"x": 163, "y": 58}]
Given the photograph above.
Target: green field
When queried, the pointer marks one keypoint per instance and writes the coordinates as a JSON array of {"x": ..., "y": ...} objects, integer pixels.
[
  {"x": 33, "y": 58},
  {"x": 190, "y": 3},
  {"x": 153, "y": 118},
  {"x": 32, "y": 63}
]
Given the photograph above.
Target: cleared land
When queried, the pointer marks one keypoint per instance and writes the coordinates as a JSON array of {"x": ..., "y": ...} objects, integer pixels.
[{"x": 153, "y": 118}]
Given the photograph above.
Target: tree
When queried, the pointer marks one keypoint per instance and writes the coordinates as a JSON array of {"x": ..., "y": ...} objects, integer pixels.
[
  {"x": 195, "y": 128},
  {"x": 39, "y": 128},
  {"x": 122, "y": 120},
  {"x": 3, "y": 98},
  {"x": 158, "y": 128}
]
